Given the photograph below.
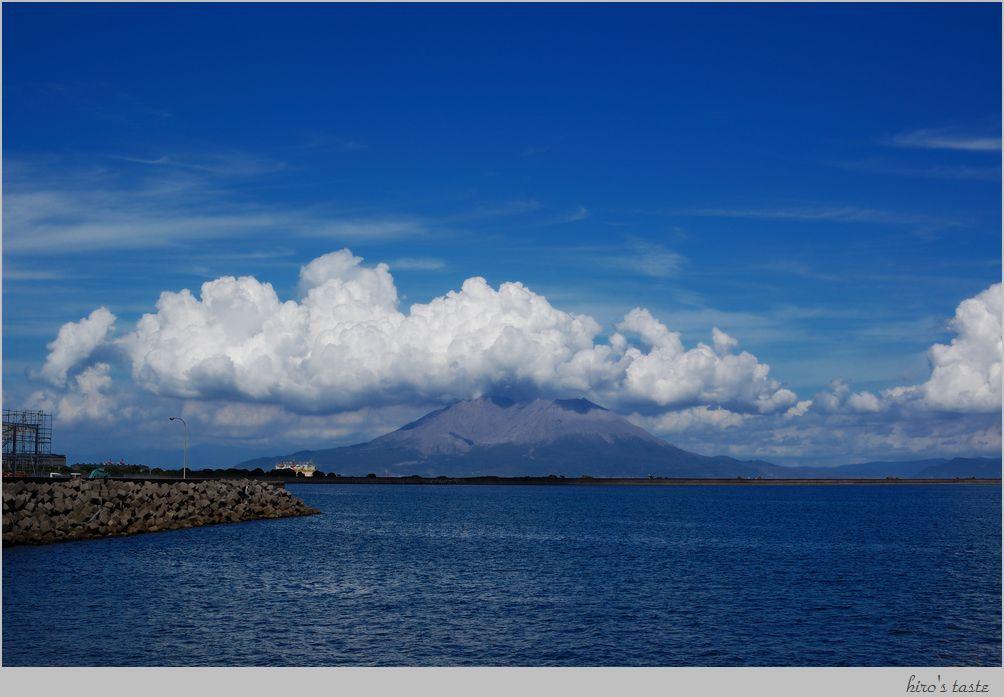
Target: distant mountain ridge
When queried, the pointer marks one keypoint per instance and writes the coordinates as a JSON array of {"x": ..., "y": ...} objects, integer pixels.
[
  {"x": 572, "y": 437},
  {"x": 937, "y": 468}
]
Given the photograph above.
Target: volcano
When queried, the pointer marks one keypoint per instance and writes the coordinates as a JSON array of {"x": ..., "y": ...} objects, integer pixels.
[
  {"x": 503, "y": 437},
  {"x": 497, "y": 436}
]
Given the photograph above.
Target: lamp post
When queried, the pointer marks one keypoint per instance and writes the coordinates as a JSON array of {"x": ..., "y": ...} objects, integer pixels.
[{"x": 184, "y": 465}]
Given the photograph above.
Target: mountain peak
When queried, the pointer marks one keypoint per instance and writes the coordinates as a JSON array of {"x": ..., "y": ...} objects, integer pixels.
[
  {"x": 498, "y": 400},
  {"x": 499, "y": 435},
  {"x": 580, "y": 406},
  {"x": 496, "y": 420}
]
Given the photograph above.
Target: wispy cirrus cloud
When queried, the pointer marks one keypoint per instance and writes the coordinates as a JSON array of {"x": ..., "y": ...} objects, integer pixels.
[
  {"x": 951, "y": 172},
  {"x": 946, "y": 139},
  {"x": 17, "y": 273},
  {"x": 222, "y": 164},
  {"x": 514, "y": 207},
  {"x": 327, "y": 141},
  {"x": 68, "y": 221},
  {"x": 648, "y": 259},
  {"x": 636, "y": 255},
  {"x": 835, "y": 214},
  {"x": 580, "y": 213},
  {"x": 171, "y": 201},
  {"x": 373, "y": 229},
  {"x": 417, "y": 264},
  {"x": 168, "y": 202},
  {"x": 94, "y": 99}
]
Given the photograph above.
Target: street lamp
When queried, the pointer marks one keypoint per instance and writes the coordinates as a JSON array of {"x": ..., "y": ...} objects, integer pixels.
[{"x": 184, "y": 465}]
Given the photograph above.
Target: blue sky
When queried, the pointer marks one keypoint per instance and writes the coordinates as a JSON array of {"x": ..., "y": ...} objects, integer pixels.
[{"x": 820, "y": 182}]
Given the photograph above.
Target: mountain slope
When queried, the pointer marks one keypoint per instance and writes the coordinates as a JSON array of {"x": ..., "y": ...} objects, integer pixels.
[
  {"x": 573, "y": 437},
  {"x": 498, "y": 436},
  {"x": 980, "y": 467}
]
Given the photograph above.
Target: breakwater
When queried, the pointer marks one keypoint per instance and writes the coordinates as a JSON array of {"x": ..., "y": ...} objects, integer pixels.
[{"x": 37, "y": 512}]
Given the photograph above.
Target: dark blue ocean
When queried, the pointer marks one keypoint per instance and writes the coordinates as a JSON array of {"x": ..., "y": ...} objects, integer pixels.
[{"x": 528, "y": 576}]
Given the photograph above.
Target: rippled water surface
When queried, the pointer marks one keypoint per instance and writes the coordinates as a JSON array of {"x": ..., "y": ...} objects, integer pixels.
[{"x": 477, "y": 575}]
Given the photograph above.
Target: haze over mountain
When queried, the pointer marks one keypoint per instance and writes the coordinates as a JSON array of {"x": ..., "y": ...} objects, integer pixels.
[{"x": 571, "y": 437}]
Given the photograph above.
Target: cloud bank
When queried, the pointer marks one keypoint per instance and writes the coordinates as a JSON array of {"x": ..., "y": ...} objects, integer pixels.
[
  {"x": 344, "y": 354},
  {"x": 345, "y": 344}
]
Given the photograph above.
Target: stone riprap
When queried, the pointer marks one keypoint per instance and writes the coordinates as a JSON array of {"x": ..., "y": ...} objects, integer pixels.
[{"x": 44, "y": 512}]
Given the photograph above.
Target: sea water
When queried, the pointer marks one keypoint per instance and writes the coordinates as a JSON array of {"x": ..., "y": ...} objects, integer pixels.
[{"x": 897, "y": 575}]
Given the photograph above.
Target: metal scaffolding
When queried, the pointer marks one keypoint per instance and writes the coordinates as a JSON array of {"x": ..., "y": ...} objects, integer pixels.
[{"x": 27, "y": 440}]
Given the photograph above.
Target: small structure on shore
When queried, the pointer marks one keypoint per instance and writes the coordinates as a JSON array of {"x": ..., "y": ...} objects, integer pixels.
[
  {"x": 305, "y": 469},
  {"x": 27, "y": 443}
]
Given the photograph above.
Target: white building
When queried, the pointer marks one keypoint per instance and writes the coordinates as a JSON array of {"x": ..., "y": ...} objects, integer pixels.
[{"x": 307, "y": 469}]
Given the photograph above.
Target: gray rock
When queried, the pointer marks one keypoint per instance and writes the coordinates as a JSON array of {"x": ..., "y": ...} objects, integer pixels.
[{"x": 41, "y": 513}]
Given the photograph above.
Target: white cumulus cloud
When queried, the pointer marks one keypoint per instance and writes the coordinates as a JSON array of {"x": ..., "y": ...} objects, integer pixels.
[
  {"x": 965, "y": 373},
  {"x": 693, "y": 419},
  {"x": 670, "y": 376},
  {"x": 75, "y": 343},
  {"x": 87, "y": 397},
  {"x": 345, "y": 344}
]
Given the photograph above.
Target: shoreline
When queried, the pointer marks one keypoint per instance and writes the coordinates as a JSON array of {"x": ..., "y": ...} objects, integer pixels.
[
  {"x": 417, "y": 480},
  {"x": 624, "y": 481}
]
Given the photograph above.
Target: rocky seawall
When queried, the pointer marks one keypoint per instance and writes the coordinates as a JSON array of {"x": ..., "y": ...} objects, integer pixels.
[{"x": 37, "y": 513}]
